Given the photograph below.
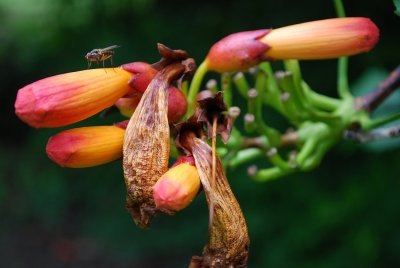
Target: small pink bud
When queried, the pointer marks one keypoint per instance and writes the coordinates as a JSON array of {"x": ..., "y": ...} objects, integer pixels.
[
  {"x": 176, "y": 189},
  {"x": 142, "y": 72},
  {"x": 177, "y": 104},
  {"x": 86, "y": 146},
  {"x": 237, "y": 52}
]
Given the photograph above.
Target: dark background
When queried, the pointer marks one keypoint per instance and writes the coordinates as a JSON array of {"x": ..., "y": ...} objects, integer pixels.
[{"x": 345, "y": 213}]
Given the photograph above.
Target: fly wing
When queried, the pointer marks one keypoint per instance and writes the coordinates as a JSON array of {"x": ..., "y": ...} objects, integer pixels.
[{"x": 110, "y": 48}]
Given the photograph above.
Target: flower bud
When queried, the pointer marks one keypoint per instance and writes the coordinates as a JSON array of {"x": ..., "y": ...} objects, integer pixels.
[
  {"x": 177, "y": 105},
  {"x": 323, "y": 39},
  {"x": 177, "y": 187},
  {"x": 86, "y": 146},
  {"x": 68, "y": 98},
  {"x": 142, "y": 72},
  {"x": 237, "y": 52}
]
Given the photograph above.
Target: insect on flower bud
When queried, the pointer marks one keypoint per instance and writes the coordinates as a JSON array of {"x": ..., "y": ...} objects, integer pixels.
[
  {"x": 176, "y": 189},
  {"x": 86, "y": 146}
]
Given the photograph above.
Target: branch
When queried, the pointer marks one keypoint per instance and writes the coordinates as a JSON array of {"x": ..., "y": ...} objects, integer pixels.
[
  {"x": 373, "y": 99},
  {"x": 378, "y": 134}
]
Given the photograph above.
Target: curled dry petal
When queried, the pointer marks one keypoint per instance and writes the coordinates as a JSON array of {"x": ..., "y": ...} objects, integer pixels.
[
  {"x": 228, "y": 236},
  {"x": 146, "y": 145},
  {"x": 68, "y": 98},
  {"x": 86, "y": 146},
  {"x": 212, "y": 106},
  {"x": 146, "y": 150}
]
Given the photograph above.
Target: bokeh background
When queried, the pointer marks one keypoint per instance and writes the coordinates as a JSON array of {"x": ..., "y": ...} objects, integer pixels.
[{"x": 346, "y": 213}]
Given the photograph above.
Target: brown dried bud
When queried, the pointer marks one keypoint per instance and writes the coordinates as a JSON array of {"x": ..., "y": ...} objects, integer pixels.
[{"x": 228, "y": 237}]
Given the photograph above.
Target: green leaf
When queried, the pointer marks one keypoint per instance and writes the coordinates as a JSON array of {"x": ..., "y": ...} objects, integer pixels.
[{"x": 397, "y": 5}]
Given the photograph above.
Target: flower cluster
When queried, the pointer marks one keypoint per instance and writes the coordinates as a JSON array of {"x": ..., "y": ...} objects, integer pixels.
[{"x": 152, "y": 98}]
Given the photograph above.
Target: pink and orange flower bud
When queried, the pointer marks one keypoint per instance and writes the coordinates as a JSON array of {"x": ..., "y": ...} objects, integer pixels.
[
  {"x": 86, "y": 146},
  {"x": 177, "y": 105},
  {"x": 68, "y": 98},
  {"x": 237, "y": 52},
  {"x": 176, "y": 189},
  {"x": 143, "y": 73},
  {"x": 323, "y": 39}
]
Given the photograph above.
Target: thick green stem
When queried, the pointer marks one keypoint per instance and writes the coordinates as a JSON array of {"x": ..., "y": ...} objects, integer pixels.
[
  {"x": 195, "y": 87},
  {"x": 339, "y": 8},
  {"x": 245, "y": 156},
  {"x": 374, "y": 123},
  {"x": 241, "y": 84},
  {"x": 342, "y": 79},
  {"x": 226, "y": 87}
]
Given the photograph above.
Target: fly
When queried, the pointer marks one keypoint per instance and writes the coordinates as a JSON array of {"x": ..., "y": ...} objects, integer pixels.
[{"x": 100, "y": 54}]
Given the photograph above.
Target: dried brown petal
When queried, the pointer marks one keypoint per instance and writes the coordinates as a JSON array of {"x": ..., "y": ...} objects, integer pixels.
[
  {"x": 212, "y": 105},
  {"x": 146, "y": 150},
  {"x": 146, "y": 145},
  {"x": 228, "y": 237}
]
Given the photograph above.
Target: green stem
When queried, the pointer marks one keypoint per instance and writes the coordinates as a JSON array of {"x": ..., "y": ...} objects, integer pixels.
[
  {"x": 321, "y": 101},
  {"x": 374, "y": 123},
  {"x": 241, "y": 84},
  {"x": 245, "y": 156},
  {"x": 277, "y": 160},
  {"x": 272, "y": 94},
  {"x": 226, "y": 87},
  {"x": 195, "y": 87},
  {"x": 268, "y": 174},
  {"x": 342, "y": 79},
  {"x": 339, "y": 8}
]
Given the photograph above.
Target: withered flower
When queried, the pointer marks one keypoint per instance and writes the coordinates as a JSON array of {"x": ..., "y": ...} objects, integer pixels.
[
  {"x": 228, "y": 236},
  {"x": 212, "y": 107},
  {"x": 146, "y": 146}
]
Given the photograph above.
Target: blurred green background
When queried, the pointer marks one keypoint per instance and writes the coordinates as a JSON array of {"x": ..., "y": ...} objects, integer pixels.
[{"x": 345, "y": 213}]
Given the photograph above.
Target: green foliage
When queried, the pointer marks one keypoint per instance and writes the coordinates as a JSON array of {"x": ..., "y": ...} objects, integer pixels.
[{"x": 397, "y": 5}]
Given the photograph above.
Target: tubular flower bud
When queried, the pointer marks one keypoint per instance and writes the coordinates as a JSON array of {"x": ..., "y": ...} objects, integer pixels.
[
  {"x": 237, "y": 52},
  {"x": 177, "y": 187},
  {"x": 86, "y": 146},
  {"x": 177, "y": 104},
  {"x": 142, "y": 72},
  {"x": 68, "y": 98},
  {"x": 323, "y": 39}
]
